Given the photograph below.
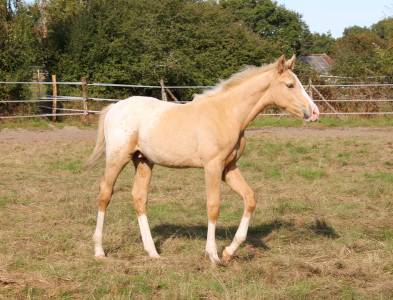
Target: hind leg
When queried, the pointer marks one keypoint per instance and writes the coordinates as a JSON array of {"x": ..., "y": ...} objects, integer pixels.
[
  {"x": 114, "y": 166},
  {"x": 143, "y": 172}
]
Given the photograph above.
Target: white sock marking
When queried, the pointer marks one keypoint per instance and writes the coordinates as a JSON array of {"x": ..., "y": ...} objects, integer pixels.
[
  {"x": 97, "y": 237},
  {"x": 148, "y": 243},
  {"x": 211, "y": 246},
  {"x": 240, "y": 235}
]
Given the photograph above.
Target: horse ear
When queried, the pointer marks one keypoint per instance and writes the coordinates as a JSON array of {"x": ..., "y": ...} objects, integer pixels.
[
  {"x": 291, "y": 63},
  {"x": 281, "y": 64}
]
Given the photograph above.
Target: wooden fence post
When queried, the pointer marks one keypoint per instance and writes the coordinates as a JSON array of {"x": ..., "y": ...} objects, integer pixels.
[
  {"x": 84, "y": 96},
  {"x": 171, "y": 94},
  {"x": 326, "y": 101},
  {"x": 39, "y": 85},
  {"x": 163, "y": 94},
  {"x": 54, "y": 100}
]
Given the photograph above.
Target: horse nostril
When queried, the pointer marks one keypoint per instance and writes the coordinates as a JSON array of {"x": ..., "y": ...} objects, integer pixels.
[{"x": 306, "y": 114}]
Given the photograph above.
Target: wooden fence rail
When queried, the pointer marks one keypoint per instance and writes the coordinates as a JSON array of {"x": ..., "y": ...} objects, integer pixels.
[{"x": 313, "y": 90}]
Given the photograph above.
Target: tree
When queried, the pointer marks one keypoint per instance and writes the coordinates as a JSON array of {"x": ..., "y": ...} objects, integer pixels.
[
  {"x": 282, "y": 27},
  {"x": 19, "y": 46},
  {"x": 356, "y": 53},
  {"x": 384, "y": 29},
  {"x": 321, "y": 43},
  {"x": 183, "y": 42}
]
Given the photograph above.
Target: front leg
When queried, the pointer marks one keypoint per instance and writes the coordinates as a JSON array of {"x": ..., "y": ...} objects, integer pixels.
[
  {"x": 213, "y": 172},
  {"x": 235, "y": 180}
]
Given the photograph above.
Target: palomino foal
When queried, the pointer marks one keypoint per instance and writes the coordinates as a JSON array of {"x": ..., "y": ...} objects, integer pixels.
[{"x": 205, "y": 133}]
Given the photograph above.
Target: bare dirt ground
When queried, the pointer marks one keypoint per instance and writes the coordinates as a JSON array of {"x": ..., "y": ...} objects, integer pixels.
[
  {"x": 76, "y": 134},
  {"x": 323, "y": 228},
  {"x": 65, "y": 134}
]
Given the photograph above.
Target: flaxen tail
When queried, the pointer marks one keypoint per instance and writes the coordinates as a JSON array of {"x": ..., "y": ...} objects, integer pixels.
[{"x": 100, "y": 142}]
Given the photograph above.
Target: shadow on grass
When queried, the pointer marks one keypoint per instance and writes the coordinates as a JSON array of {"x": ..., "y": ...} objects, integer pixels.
[
  {"x": 255, "y": 236},
  {"x": 320, "y": 227}
]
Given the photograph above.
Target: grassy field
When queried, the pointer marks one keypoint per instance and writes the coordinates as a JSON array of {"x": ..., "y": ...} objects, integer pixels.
[
  {"x": 328, "y": 122},
  {"x": 345, "y": 121},
  {"x": 323, "y": 228}
]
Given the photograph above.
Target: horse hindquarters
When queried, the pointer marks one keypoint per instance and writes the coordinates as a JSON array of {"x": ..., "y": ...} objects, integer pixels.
[
  {"x": 119, "y": 145},
  {"x": 121, "y": 126}
]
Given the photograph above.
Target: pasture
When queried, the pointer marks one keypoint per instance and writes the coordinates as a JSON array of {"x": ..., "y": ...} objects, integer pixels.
[{"x": 323, "y": 227}]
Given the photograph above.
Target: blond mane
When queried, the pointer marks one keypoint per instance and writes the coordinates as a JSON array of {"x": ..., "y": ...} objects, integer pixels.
[{"x": 235, "y": 80}]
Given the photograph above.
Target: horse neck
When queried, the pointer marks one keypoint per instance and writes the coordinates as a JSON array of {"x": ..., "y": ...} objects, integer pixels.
[{"x": 247, "y": 100}]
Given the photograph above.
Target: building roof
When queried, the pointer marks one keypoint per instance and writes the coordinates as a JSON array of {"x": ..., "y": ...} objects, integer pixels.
[{"x": 322, "y": 63}]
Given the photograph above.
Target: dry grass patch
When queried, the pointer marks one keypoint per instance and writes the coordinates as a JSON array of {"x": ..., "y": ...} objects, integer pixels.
[{"x": 322, "y": 229}]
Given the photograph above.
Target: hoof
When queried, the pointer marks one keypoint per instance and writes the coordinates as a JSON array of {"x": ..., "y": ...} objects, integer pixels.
[
  {"x": 226, "y": 257},
  {"x": 99, "y": 256},
  {"x": 154, "y": 256},
  {"x": 99, "y": 252},
  {"x": 214, "y": 259}
]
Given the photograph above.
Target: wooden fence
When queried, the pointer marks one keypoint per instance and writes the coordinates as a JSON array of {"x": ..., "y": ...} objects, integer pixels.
[{"x": 166, "y": 93}]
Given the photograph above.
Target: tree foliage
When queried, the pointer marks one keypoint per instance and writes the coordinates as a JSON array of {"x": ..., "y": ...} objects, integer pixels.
[
  {"x": 19, "y": 45},
  {"x": 321, "y": 43},
  {"x": 283, "y": 28},
  {"x": 356, "y": 52},
  {"x": 365, "y": 51},
  {"x": 180, "y": 41},
  {"x": 183, "y": 42}
]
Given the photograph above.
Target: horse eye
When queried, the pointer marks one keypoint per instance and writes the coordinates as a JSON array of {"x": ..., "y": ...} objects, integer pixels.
[{"x": 290, "y": 85}]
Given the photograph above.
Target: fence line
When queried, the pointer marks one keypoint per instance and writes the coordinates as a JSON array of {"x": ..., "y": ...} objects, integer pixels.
[
  {"x": 348, "y": 77},
  {"x": 105, "y": 99},
  {"x": 42, "y": 115},
  {"x": 38, "y": 100},
  {"x": 332, "y": 114},
  {"x": 150, "y": 86},
  {"x": 70, "y": 99},
  {"x": 84, "y": 98},
  {"x": 73, "y": 99},
  {"x": 82, "y": 113},
  {"x": 356, "y": 100},
  {"x": 98, "y": 84},
  {"x": 42, "y": 82},
  {"x": 367, "y": 85},
  {"x": 71, "y": 109}
]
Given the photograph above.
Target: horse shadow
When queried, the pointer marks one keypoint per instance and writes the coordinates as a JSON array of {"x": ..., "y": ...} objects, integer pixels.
[{"x": 255, "y": 237}]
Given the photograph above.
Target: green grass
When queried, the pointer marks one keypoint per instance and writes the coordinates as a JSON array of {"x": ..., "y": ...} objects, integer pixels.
[
  {"x": 292, "y": 207},
  {"x": 72, "y": 166},
  {"x": 380, "y": 176},
  {"x": 322, "y": 229},
  {"x": 43, "y": 123},
  {"x": 33, "y": 123},
  {"x": 4, "y": 201},
  {"x": 300, "y": 290},
  {"x": 346, "y": 121},
  {"x": 311, "y": 174}
]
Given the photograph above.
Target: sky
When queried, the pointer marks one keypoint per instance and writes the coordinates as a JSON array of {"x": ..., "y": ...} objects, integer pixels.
[{"x": 335, "y": 15}]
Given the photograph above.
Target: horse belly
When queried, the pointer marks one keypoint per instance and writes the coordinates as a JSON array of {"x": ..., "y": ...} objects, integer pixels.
[
  {"x": 168, "y": 140},
  {"x": 171, "y": 151}
]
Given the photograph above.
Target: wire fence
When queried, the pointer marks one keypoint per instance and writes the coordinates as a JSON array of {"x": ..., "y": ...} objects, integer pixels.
[{"x": 331, "y": 106}]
